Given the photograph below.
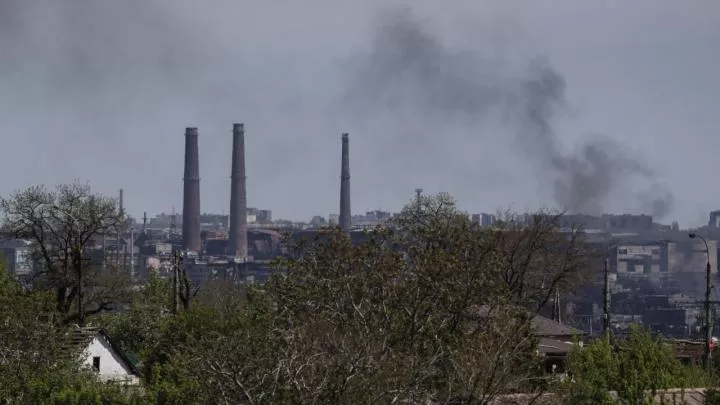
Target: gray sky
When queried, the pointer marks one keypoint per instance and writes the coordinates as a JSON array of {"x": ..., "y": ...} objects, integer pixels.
[{"x": 102, "y": 91}]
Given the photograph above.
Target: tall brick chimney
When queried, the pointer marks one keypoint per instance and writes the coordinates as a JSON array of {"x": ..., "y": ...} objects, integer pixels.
[
  {"x": 345, "y": 216},
  {"x": 121, "y": 207},
  {"x": 238, "y": 243},
  {"x": 191, "y": 193}
]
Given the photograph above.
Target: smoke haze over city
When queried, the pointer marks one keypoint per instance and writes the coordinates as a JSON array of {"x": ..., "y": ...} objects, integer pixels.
[{"x": 585, "y": 106}]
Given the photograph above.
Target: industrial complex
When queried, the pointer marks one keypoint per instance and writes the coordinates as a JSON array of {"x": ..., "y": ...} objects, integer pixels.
[{"x": 652, "y": 273}]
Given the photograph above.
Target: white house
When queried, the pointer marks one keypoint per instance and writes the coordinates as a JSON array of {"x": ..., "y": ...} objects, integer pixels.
[{"x": 103, "y": 357}]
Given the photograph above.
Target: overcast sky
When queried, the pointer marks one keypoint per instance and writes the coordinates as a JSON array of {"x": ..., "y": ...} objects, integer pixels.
[{"x": 102, "y": 91}]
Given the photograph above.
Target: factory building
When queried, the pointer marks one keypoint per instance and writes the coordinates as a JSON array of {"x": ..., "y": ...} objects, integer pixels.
[{"x": 663, "y": 257}]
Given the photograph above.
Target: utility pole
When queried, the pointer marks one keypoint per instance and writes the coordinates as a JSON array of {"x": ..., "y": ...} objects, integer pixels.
[
  {"x": 120, "y": 229},
  {"x": 708, "y": 293},
  {"x": 77, "y": 263},
  {"x": 708, "y": 321},
  {"x": 175, "y": 286},
  {"x": 132, "y": 252},
  {"x": 606, "y": 302}
]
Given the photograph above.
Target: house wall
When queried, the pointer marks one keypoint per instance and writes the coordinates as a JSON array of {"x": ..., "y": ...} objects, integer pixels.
[{"x": 111, "y": 365}]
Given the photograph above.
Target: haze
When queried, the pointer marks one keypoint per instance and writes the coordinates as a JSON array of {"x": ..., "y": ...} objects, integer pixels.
[{"x": 589, "y": 106}]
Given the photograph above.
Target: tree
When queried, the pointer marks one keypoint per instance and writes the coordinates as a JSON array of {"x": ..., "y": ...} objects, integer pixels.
[
  {"x": 533, "y": 256},
  {"x": 61, "y": 224},
  {"x": 432, "y": 308},
  {"x": 38, "y": 363},
  {"x": 540, "y": 258},
  {"x": 139, "y": 328},
  {"x": 31, "y": 342},
  {"x": 634, "y": 369}
]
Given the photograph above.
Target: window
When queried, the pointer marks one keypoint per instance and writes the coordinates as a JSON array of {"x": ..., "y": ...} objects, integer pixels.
[
  {"x": 622, "y": 251},
  {"x": 96, "y": 363}
]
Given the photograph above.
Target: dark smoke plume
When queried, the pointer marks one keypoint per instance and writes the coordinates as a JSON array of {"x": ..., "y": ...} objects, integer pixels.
[{"x": 409, "y": 69}]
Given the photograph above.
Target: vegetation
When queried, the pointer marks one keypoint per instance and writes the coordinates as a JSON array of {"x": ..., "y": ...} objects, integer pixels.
[
  {"x": 633, "y": 369},
  {"x": 432, "y": 309},
  {"x": 37, "y": 364},
  {"x": 60, "y": 225}
]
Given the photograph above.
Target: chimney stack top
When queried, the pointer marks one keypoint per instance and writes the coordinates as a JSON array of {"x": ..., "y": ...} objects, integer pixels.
[
  {"x": 238, "y": 127},
  {"x": 191, "y": 131}
]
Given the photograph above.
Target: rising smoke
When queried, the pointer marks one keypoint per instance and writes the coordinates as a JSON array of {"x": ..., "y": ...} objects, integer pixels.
[
  {"x": 126, "y": 77},
  {"x": 410, "y": 69}
]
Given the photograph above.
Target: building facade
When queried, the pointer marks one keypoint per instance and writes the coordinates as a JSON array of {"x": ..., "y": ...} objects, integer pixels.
[
  {"x": 665, "y": 257},
  {"x": 15, "y": 255}
]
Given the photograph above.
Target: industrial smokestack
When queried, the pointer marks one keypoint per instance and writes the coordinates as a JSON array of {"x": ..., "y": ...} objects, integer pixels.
[
  {"x": 121, "y": 207},
  {"x": 345, "y": 218},
  {"x": 238, "y": 243},
  {"x": 191, "y": 193}
]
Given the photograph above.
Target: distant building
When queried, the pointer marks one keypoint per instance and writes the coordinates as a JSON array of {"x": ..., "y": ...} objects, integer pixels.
[
  {"x": 318, "y": 222},
  {"x": 609, "y": 222},
  {"x": 628, "y": 222},
  {"x": 714, "y": 219},
  {"x": 333, "y": 219},
  {"x": 642, "y": 258},
  {"x": 663, "y": 257},
  {"x": 487, "y": 220},
  {"x": 484, "y": 220},
  {"x": 264, "y": 216},
  {"x": 15, "y": 254},
  {"x": 164, "y": 220},
  {"x": 371, "y": 218},
  {"x": 158, "y": 249}
]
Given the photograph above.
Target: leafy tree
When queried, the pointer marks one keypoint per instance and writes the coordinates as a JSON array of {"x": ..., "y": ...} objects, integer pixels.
[
  {"x": 170, "y": 368},
  {"x": 38, "y": 365},
  {"x": 139, "y": 327},
  {"x": 432, "y": 308},
  {"x": 61, "y": 224},
  {"x": 594, "y": 372},
  {"x": 634, "y": 369},
  {"x": 71, "y": 385},
  {"x": 533, "y": 256},
  {"x": 31, "y": 342}
]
